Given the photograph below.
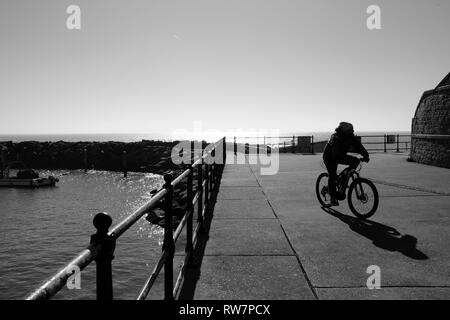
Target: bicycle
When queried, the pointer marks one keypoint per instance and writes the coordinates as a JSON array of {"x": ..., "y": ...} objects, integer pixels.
[{"x": 362, "y": 193}]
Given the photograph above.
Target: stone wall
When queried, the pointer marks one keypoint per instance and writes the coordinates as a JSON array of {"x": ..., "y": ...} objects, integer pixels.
[{"x": 431, "y": 128}]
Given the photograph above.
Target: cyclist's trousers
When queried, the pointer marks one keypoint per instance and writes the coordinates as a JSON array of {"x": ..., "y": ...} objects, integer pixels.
[{"x": 352, "y": 163}]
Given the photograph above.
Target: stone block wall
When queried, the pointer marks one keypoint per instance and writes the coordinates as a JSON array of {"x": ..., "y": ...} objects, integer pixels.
[{"x": 431, "y": 128}]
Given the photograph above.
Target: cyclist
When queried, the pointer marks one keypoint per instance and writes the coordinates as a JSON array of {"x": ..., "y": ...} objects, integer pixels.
[{"x": 335, "y": 153}]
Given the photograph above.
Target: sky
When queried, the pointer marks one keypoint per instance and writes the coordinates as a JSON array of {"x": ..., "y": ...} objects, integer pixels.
[{"x": 231, "y": 65}]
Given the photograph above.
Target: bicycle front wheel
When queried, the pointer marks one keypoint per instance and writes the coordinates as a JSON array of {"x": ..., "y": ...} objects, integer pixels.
[
  {"x": 363, "y": 198},
  {"x": 323, "y": 195}
]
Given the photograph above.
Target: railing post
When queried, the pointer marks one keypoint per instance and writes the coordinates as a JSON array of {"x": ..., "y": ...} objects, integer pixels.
[
  {"x": 312, "y": 144},
  {"x": 102, "y": 221},
  {"x": 398, "y": 143},
  {"x": 200, "y": 194},
  {"x": 224, "y": 144},
  {"x": 168, "y": 244},
  {"x": 124, "y": 163},
  {"x": 190, "y": 210},
  {"x": 206, "y": 187},
  {"x": 385, "y": 142},
  {"x": 235, "y": 146},
  {"x": 293, "y": 144},
  {"x": 213, "y": 171}
]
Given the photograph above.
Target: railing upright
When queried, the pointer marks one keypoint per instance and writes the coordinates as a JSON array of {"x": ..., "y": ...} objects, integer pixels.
[
  {"x": 200, "y": 191},
  {"x": 168, "y": 244},
  {"x": 398, "y": 143},
  {"x": 224, "y": 143},
  {"x": 190, "y": 209},
  {"x": 385, "y": 138},
  {"x": 102, "y": 221},
  {"x": 206, "y": 200}
]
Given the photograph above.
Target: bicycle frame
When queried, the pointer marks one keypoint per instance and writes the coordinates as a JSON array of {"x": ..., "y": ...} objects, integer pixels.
[{"x": 351, "y": 176}]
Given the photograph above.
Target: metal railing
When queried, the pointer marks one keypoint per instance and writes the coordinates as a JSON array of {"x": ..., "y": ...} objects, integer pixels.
[
  {"x": 387, "y": 142},
  {"x": 308, "y": 145},
  {"x": 103, "y": 242}
]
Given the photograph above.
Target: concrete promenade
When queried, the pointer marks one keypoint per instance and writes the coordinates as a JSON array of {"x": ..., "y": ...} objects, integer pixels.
[{"x": 270, "y": 239}]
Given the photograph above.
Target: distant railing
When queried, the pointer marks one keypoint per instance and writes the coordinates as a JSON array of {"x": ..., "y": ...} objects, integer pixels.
[
  {"x": 387, "y": 142},
  {"x": 103, "y": 243},
  {"x": 308, "y": 144}
]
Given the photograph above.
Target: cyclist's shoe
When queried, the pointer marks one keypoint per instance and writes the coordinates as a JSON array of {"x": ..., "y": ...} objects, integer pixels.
[{"x": 333, "y": 203}]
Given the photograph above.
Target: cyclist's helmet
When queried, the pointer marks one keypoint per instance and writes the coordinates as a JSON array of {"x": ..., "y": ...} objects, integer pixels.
[{"x": 346, "y": 129}]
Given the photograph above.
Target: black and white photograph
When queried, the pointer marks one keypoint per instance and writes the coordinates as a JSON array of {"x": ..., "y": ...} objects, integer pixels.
[{"x": 224, "y": 156}]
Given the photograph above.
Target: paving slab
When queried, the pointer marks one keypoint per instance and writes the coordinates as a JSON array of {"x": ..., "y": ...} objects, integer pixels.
[
  {"x": 243, "y": 209},
  {"x": 384, "y": 293},
  {"x": 247, "y": 237},
  {"x": 241, "y": 193},
  {"x": 249, "y": 278},
  {"x": 239, "y": 182}
]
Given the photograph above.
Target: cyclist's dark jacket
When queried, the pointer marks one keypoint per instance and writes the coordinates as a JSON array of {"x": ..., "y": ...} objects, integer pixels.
[{"x": 338, "y": 146}]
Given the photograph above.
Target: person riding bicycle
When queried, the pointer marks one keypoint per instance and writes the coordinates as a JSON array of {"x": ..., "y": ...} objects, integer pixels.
[{"x": 335, "y": 153}]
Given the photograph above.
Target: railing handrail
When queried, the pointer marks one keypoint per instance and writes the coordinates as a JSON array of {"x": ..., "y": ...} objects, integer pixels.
[{"x": 55, "y": 283}]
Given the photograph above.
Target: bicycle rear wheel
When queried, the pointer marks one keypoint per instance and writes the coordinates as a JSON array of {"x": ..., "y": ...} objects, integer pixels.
[
  {"x": 323, "y": 195},
  {"x": 363, "y": 198}
]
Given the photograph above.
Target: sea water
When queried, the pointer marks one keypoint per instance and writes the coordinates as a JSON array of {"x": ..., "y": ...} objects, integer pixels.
[{"x": 43, "y": 229}]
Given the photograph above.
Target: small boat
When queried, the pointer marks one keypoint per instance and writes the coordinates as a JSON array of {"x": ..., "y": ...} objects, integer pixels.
[{"x": 24, "y": 178}]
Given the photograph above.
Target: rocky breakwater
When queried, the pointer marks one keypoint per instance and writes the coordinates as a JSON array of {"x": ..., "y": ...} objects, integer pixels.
[{"x": 143, "y": 156}]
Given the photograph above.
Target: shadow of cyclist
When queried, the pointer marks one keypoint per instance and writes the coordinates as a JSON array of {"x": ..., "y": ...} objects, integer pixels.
[{"x": 382, "y": 236}]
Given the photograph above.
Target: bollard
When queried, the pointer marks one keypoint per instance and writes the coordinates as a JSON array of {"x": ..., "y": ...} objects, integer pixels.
[
  {"x": 124, "y": 163},
  {"x": 102, "y": 221},
  {"x": 168, "y": 244}
]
